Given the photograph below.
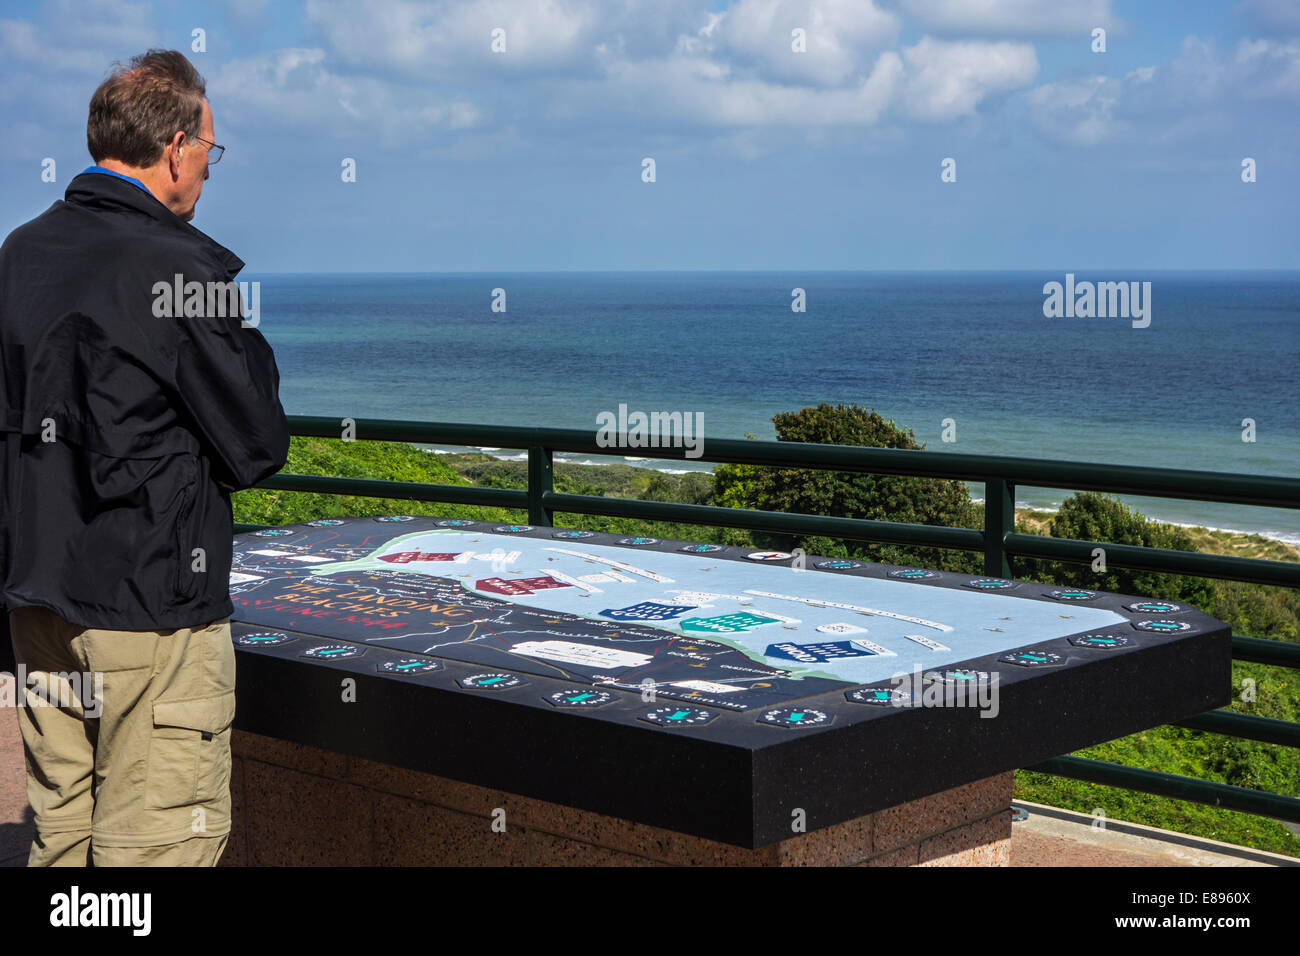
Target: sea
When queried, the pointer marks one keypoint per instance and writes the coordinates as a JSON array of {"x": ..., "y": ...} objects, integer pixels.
[{"x": 968, "y": 360}]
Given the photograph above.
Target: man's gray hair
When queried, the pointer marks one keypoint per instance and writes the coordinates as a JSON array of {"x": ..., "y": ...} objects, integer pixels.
[{"x": 142, "y": 105}]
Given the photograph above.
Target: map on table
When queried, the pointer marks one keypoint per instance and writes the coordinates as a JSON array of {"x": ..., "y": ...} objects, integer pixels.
[{"x": 727, "y": 627}]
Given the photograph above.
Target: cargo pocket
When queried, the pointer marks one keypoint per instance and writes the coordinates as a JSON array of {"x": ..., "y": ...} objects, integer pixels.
[{"x": 189, "y": 752}]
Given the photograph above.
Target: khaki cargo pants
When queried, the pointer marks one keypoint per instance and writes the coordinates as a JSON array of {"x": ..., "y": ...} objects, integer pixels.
[{"x": 141, "y": 776}]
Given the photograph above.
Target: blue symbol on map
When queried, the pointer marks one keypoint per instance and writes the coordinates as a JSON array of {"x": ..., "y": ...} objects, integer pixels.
[
  {"x": 816, "y": 653},
  {"x": 727, "y": 623},
  {"x": 648, "y": 611}
]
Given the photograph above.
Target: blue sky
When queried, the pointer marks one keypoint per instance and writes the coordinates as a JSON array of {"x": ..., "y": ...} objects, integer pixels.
[{"x": 531, "y": 159}]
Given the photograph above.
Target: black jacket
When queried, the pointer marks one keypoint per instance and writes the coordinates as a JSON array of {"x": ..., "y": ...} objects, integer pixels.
[{"x": 124, "y": 433}]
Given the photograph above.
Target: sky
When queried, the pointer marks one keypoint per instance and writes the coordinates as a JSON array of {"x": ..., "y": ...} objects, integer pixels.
[{"x": 784, "y": 134}]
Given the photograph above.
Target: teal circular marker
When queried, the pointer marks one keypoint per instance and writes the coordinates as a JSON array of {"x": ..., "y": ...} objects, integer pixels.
[
  {"x": 1071, "y": 594},
  {"x": 491, "y": 681},
  {"x": 878, "y": 696},
  {"x": 794, "y": 717},
  {"x": 580, "y": 697},
  {"x": 1162, "y": 626},
  {"x": 1032, "y": 658},
  {"x": 262, "y": 639},
  {"x": 678, "y": 716},
  {"x": 1104, "y": 642},
  {"x": 990, "y": 584},
  {"x": 408, "y": 666},
  {"x": 1155, "y": 607},
  {"x": 332, "y": 652}
]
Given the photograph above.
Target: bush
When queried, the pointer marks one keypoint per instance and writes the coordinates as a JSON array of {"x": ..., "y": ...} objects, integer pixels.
[
  {"x": 1088, "y": 516},
  {"x": 897, "y": 498}
]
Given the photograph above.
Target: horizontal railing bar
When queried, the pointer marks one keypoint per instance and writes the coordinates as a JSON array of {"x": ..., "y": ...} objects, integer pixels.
[
  {"x": 1207, "y": 792},
  {"x": 1249, "y": 726},
  {"x": 1126, "y": 556},
  {"x": 408, "y": 490},
  {"x": 1282, "y": 573},
  {"x": 1271, "y": 491},
  {"x": 1258, "y": 650}
]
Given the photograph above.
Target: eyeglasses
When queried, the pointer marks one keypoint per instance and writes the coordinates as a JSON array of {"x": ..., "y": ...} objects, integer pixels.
[{"x": 214, "y": 151}]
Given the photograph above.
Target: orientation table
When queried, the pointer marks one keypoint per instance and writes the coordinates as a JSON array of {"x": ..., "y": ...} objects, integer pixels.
[{"x": 732, "y": 697}]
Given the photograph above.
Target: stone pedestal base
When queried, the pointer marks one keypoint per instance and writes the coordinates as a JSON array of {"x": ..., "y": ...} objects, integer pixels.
[{"x": 301, "y": 806}]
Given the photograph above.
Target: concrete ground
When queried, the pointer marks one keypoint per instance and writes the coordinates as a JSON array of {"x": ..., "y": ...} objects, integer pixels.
[
  {"x": 1048, "y": 837},
  {"x": 1054, "y": 837}
]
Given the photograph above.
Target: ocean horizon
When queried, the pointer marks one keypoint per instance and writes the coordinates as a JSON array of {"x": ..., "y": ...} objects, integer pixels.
[{"x": 968, "y": 356}]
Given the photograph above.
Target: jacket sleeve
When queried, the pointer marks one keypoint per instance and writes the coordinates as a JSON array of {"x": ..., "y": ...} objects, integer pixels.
[{"x": 229, "y": 384}]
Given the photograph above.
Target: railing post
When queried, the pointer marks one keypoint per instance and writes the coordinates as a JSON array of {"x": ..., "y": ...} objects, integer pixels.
[
  {"x": 541, "y": 478},
  {"x": 999, "y": 521}
]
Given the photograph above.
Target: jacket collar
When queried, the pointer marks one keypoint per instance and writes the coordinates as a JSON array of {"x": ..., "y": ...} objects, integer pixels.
[{"x": 97, "y": 189}]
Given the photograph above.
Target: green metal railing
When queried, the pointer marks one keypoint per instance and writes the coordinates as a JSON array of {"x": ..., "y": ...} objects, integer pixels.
[{"x": 999, "y": 543}]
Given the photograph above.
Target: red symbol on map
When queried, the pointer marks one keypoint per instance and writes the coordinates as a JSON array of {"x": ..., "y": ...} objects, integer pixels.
[
  {"x": 406, "y": 557},
  {"x": 519, "y": 585}
]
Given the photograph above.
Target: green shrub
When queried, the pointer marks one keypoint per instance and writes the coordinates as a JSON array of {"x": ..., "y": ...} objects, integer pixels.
[{"x": 898, "y": 498}]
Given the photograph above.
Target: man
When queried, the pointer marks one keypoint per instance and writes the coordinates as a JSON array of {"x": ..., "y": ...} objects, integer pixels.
[{"x": 127, "y": 420}]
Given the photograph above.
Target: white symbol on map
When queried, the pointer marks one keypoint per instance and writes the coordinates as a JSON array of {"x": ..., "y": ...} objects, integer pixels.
[
  {"x": 706, "y": 686},
  {"x": 576, "y": 582},
  {"x": 568, "y": 652},
  {"x": 701, "y": 598},
  {"x": 292, "y": 556},
  {"x": 621, "y": 565},
  {"x": 872, "y": 646},
  {"x": 841, "y": 629},
  {"x": 851, "y": 607},
  {"x": 238, "y": 578},
  {"x": 926, "y": 642}
]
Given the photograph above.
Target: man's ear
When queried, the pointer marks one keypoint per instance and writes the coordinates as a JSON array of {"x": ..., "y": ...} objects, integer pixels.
[{"x": 174, "y": 154}]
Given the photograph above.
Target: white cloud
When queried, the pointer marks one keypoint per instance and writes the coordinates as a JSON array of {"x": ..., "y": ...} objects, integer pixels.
[
  {"x": 443, "y": 40},
  {"x": 1078, "y": 112},
  {"x": 933, "y": 81},
  {"x": 1194, "y": 95},
  {"x": 842, "y": 38},
  {"x": 295, "y": 89},
  {"x": 1267, "y": 68},
  {"x": 947, "y": 80},
  {"x": 706, "y": 91}
]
